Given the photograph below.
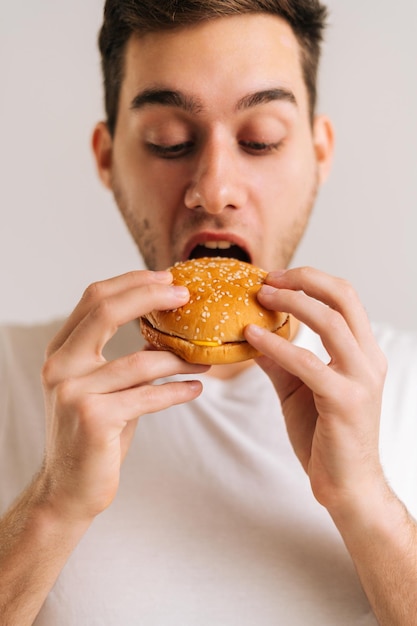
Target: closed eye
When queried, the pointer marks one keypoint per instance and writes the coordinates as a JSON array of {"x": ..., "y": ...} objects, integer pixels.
[
  {"x": 170, "y": 151},
  {"x": 259, "y": 147}
]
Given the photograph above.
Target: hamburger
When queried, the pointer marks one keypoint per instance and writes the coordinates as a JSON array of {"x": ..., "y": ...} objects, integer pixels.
[{"x": 209, "y": 328}]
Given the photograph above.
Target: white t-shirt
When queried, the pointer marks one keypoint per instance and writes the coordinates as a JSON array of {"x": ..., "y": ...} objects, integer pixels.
[{"x": 214, "y": 522}]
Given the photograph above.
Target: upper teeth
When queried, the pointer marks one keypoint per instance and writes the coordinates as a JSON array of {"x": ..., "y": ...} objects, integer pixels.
[{"x": 214, "y": 245}]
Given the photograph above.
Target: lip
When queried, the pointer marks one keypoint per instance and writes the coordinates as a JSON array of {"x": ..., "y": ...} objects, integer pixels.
[{"x": 206, "y": 236}]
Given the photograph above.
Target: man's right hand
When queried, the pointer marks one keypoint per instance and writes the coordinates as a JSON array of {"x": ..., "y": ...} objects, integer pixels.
[{"x": 93, "y": 405}]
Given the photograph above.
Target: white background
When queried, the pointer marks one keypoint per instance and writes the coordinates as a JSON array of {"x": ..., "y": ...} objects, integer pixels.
[{"x": 59, "y": 230}]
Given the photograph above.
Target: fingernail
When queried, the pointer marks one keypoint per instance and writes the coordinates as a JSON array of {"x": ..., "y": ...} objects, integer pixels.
[
  {"x": 268, "y": 290},
  {"x": 194, "y": 385},
  {"x": 180, "y": 292},
  {"x": 256, "y": 331},
  {"x": 276, "y": 275}
]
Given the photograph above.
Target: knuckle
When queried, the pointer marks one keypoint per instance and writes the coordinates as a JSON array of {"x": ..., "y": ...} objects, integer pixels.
[
  {"x": 49, "y": 372},
  {"x": 136, "y": 360},
  {"x": 334, "y": 322},
  {"x": 103, "y": 311},
  {"x": 150, "y": 397},
  {"x": 309, "y": 361},
  {"x": 134, "y": 277},
  {"x": 87, "y": 409},
  {"x": 83, "y": 406},
  {"x": 346, "y": 289},
  {"x": 94, "y": 293},
  {"x": 155, "y": 397},
  {"x": 306, "y": 273},
  {"x": 65, "y": 393}
]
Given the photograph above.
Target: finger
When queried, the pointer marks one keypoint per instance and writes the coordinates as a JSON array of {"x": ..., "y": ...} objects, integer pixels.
[
  {"x": 138, "y": 401},
  {"x": 82, "y": 350},
  {"x": 104, "y": 289},
  {"x": 337, "y": 293},
  {"x": 137, "y": 369},
  {"x": 335, "y": 334},
  {"x": 295, "y": 360}
]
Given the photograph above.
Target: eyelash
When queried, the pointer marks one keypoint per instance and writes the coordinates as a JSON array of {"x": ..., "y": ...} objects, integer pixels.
[
  {"x": 170, "y": 152},
  {"x": 177, "y": 151},
  {"x": 261, "y": 147}
]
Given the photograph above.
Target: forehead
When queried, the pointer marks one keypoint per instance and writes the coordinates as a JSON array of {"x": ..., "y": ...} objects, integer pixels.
[{"x": 218, "y": 60}]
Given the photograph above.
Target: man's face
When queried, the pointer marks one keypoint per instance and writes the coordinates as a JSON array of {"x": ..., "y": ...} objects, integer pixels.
[{"x": 213, "y": 151}]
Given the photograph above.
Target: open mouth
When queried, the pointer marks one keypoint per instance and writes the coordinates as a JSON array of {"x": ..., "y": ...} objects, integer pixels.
[{"x": 219, "y": 248}]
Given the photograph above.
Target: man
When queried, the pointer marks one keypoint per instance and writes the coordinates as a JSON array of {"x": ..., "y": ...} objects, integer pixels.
[{"x": 226, "y": 510}]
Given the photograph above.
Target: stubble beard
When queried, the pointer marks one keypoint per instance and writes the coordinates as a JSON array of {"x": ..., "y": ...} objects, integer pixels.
[
  {"x": 290, "y": 245},
  {"x": 139, "y": 227}
]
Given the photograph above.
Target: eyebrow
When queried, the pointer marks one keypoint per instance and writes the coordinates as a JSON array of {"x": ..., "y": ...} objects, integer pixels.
[
  {"x": 265, "y": 96},
  {"x": 168, "y": 98},
  {"x": 190, "y": 104}
]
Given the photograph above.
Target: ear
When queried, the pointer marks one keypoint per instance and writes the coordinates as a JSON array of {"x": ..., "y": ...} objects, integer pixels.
[
  {"x": 323, "y": 139},
  {"x": 102, "y": 145}
]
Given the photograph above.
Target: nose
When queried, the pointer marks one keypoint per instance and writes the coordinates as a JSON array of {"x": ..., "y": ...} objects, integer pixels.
[{"x": 216, "y": 182}]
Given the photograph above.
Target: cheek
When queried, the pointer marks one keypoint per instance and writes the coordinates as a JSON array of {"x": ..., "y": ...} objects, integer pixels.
[
  {"x": 293, "y": 177},
  {"x": 160, "y": 186},
  {"x": 148, "y": 189}
]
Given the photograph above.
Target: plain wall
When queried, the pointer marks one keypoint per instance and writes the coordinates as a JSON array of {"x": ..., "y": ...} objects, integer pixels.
[{"x": 59, "y": 230}]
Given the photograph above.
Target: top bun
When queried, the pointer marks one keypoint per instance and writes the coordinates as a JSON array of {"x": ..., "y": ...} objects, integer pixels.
[{"x": 209, "y": 328}]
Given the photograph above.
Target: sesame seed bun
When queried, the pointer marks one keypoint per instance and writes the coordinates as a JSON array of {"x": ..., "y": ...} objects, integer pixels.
[{"x": 209, "y": 328}]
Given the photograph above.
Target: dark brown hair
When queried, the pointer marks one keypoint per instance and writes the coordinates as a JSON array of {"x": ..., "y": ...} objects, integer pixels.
[{"x": 122, "y": 18}]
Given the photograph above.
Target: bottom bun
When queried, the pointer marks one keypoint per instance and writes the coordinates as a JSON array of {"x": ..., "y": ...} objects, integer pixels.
[{"x": 222, "y": 354}]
